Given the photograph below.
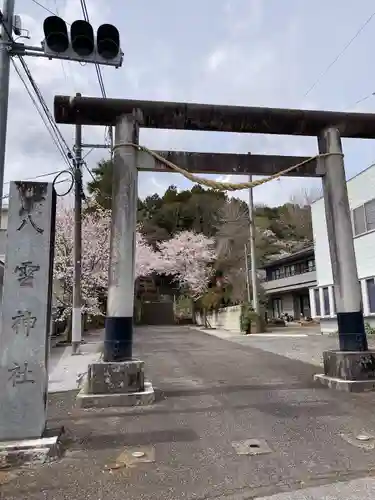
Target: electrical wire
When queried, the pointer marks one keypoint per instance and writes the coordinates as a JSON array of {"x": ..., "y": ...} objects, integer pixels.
[
  {"x": 108, "y": 133},
  {"x": 45, "y": 121},
  {"x": 6, "y": 196},
  {"x": 45, "y": 107},
  {"x": 362, "y": 27},
  {"x": 66, "y": 153},
  {"x": 44, "y": 7},
  {"x": 90, "y": 151},
  {"x": 48, "y": 121},
  {"x": 70, "y": 188},
  {"x": 359, "y": 101},
  {"x": 97, "y": 67},
  {"x": 40, "y": 176},
  {"x": 89, "y": 171},
  {"x": 48, "y": 10}
]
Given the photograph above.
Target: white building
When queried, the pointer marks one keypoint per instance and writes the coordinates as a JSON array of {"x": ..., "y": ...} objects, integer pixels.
[
  {"x": 287, "y": 283},
  {"x": 361, "y": 191}
]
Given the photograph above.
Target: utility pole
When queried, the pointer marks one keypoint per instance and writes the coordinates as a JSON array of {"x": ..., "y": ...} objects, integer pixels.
[
  {"x": 5, "y": 46},
  {"x": 247, "y": 275},
  {"x": 77, "y": 302},
  {"x": 254, "y": 280}
]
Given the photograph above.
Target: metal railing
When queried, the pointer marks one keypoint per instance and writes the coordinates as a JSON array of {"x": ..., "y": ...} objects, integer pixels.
[{"x": 289, "y": 273}]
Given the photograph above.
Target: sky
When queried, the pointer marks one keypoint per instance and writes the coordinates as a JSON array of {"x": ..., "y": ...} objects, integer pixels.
[{"x": 242, "y": 52}]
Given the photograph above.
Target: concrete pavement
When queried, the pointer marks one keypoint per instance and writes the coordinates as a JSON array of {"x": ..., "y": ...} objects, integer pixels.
[
  {"x": 359, "y": 489},
  {"x": 213, "y": 396},
  {"x": 65, "y": 370},
  {"x": 300, "y": 344}
]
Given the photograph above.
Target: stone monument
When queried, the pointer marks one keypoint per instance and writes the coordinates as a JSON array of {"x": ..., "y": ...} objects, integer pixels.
[{"x": 26, "y": 309}]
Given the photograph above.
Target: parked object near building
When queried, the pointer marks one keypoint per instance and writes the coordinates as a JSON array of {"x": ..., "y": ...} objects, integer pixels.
[
  {"x": 287, "y": 283},
  {"x": 362, "y": 205}
]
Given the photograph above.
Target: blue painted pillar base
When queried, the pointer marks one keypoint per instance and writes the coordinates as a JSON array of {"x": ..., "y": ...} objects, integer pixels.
[
  {"x": 118, "y": 342},
  {"x": 351, "y": 331}
]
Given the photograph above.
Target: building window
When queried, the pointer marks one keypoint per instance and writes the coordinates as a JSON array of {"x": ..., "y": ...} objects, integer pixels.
[
  {"x": 364, "y": 218},
  {"x": 317, "y": 302},
  {"x": 359, "y": 221},
  {"x": 325, "y": 301},
  {"x": 370, "y": 215},
  {"x": 371, "y": 294},
  {"x": 311, "y": 265}
]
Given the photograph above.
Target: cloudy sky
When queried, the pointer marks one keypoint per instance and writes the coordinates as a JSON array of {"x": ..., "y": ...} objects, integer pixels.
[{"x": 245, "y": 52}]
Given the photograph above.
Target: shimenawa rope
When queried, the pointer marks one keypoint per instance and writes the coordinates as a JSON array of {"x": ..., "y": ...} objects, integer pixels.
[{"x": 221, "y": 186}]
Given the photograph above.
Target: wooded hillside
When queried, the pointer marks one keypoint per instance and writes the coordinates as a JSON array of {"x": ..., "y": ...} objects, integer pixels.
[{"x": 280, "y": 230}]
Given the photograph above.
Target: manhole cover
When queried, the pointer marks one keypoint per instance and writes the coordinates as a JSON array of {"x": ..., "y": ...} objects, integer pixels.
[
  {"x": 131, "y": 457},
  {"x": 361, "y": 440},
  {"x": 251, "y": 447},
  {"x": 363, "y": 437}
]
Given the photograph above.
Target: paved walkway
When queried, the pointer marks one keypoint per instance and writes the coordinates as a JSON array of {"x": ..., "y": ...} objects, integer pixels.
[
  {"x": 213, "y": 396},
  {"x": 300, "y": 344},
  {"x": 65, "y": 370}
]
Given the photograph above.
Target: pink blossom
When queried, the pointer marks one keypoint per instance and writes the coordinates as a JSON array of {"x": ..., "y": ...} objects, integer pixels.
[
  {"x": 189, "y": 257},
  {"x": 95, "y": 259},
  {"x": 147, "y": 261}
]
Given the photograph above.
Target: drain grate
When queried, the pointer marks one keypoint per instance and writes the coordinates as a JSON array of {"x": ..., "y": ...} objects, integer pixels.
[{"x": 251, "y": 447}]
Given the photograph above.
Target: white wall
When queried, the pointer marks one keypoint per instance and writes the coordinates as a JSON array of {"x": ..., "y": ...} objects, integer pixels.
[
  {"x": 321, "y": 248},
  {"x": 360, "y": 190},
  {"x": 227, "y": 318}
]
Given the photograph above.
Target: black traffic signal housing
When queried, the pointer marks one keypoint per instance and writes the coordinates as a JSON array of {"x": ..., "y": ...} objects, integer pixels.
[
  {"x": 82, "y": 45},
  {"x": 56, "y": 34}
]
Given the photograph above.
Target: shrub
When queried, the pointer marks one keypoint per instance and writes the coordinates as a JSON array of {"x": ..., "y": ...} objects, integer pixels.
[
  {"x": 248, "y": 315},
  {"x": 369, "y": 329}
]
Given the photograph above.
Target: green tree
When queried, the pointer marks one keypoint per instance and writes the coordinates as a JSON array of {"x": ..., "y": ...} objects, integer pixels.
[{"x": 100, "y": 188}]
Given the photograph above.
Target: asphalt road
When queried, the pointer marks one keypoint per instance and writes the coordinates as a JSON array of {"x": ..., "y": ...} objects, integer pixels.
[{"x": 212, "y": 396}]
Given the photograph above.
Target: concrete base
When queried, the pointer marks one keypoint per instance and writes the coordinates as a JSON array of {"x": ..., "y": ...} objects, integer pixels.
[
  {"x": 115, "y": 384},
  {"x": 345, "y": 385},
  {"x": 30, "y": 451},
  {"x": 140, "y": 398},
  {"x": 349, "y": 371}
]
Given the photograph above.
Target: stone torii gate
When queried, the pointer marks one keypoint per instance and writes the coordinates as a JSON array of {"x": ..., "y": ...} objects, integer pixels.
[{"x": 352, "y": 367}]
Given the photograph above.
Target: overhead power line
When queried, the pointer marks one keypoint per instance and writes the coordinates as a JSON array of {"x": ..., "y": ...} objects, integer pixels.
[
  {"x": 48, "y": 10},
  {"x": 97, "y": 67},
  {"x": 98, "y": 74},
  {"x": 362, "y": 27},
  {"x": 51, "y": 125},
  {"x": 63, "y": 146},
  {"x": 44, "y": 7},
  {"x": 44, "y": 119}
]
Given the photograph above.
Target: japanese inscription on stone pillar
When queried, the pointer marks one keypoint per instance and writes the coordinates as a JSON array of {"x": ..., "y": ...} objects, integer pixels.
[{"x": 26, "y": 309}]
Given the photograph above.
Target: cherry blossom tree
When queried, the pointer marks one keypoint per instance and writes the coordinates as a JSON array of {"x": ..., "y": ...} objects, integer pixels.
[
  {"x": 188, "y": 256},
  {"x": 147, "y": 261},
  {"x": 95, "y": 259}
]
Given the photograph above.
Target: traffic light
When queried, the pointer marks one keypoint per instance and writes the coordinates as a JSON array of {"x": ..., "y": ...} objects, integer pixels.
[{"x": 82, "y": 45}]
